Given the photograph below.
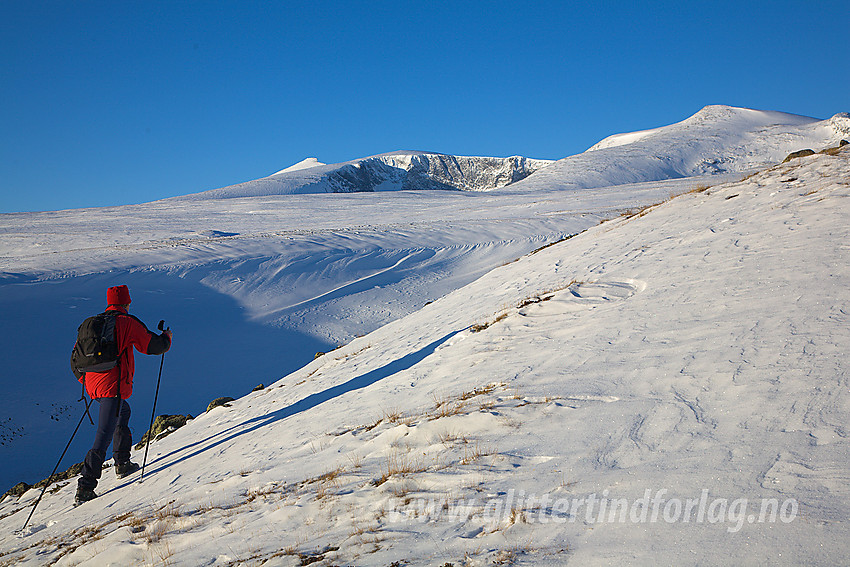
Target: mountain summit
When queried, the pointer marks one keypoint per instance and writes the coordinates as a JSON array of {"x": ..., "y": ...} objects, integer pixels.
[{"x": 717, "y": 139}]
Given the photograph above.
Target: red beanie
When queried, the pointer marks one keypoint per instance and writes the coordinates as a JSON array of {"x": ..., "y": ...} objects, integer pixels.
[{"x": 118, "y": 295}]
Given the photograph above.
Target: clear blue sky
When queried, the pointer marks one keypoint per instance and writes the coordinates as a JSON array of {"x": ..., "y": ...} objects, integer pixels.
[{"x": 105, "y": 103}]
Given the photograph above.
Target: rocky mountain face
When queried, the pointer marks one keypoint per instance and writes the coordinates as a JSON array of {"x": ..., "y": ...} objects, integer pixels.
[
  {"x": 425, "y": 171},
  {"x": 396, "y": 171}
]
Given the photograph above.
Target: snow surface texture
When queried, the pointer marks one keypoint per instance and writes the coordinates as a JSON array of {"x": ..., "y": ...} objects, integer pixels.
[
  {"x": 395, "y": 171},
  {"x": 694, "y": 349}
]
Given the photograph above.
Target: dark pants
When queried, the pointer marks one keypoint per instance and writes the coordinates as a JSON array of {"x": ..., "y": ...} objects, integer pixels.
[{"x": 110, "y": 428}]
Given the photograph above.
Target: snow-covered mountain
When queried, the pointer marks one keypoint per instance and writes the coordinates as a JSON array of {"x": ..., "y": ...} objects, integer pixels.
[
  {"x": 396, "y": 171},
  {"x": 667, "y": 387},
  {"x": 717, "y": 139}
]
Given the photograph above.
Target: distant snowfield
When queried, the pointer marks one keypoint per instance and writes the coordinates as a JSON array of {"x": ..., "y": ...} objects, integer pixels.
[
  {"x": 665, "y": 388},
  {"x": 628, "y": 358}
]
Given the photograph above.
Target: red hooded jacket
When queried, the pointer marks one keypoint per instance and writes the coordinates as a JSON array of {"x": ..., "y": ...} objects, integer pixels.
[{"x": 130, "y": 333}]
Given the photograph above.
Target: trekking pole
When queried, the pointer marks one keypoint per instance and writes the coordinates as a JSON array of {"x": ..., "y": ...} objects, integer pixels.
[
  {"x": 56, "y": 468},
  {"x": 153, "y": 412}
]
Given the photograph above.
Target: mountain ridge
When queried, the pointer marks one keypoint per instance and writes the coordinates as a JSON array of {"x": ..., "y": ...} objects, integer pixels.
[
  {"x": 392, "y": 171},
  {"x": 716, "y": 139}
]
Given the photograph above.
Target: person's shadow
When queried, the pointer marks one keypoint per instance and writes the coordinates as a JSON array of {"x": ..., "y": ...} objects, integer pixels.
[{"x": 310, "y": 402}]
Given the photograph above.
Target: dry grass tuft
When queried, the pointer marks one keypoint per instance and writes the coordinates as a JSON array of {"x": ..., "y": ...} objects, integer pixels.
[
  {"x": 356, "y": 460},
  {"x": 170, "y": 510},
  {"x": 398, "y": 464},
  {"x": 697, "y": 189},
  {"x": 480, "y": 391},
  {"x": 260, "y": 492},
  {"x": 472, "y": 453},
  {"x": 478, "y": 327},
  {"x": 445, "y": 408},
  {"x": 449, "y": 437},
  {"x": 156, "y": 532},
  {"x": 136, "y": 524}
]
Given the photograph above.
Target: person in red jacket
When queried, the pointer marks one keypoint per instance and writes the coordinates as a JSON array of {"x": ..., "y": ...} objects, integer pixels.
[{"x": 104, "y": 387}]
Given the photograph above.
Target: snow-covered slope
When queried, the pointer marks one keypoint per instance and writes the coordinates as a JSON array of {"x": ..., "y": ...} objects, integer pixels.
[
  {"x": 665, "y": 388},
  {"x": 386, "y": 172},
  {"x": 717, "y": 139},
  {"x": 252, "y": 287},
  {"x": 306, "y": 163}
]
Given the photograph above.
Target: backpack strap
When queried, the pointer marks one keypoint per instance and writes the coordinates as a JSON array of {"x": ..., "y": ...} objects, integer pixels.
[
  {"x": 118, "y": 389},
  {"x": 114, "y": 314},
  {"x": 84, "y": 400}
]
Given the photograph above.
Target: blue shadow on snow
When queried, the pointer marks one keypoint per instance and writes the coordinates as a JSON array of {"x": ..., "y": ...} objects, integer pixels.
[{"x": 308, "y": 403}]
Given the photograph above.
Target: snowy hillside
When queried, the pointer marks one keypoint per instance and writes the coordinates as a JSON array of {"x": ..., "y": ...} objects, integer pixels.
[
  {"x": 717, "y": 139},
  {"x": 395, "y": 171},
  {"x": 669, "y": 387},
  {"x": 252, "y": 287}
]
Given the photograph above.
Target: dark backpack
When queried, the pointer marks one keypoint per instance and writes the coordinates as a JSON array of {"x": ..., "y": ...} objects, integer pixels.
[{"x": 96, "y": 349}]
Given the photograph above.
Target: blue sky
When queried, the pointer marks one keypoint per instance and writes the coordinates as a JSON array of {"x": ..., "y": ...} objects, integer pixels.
[{"x": 106, "y": 103}]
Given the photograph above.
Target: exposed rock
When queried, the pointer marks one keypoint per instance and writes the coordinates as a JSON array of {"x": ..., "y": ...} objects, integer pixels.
[
  {"x": 395, "y": 171},
  {"x": 834, "y": 151},
  {"x": 17, "y": 490},
  {"x": 410, "y": 172},
  {"x": 223, "y": 401},
  {"x": 162, "y": 426},
  {"x": 798, "y": 154},
  {"x": 20, "y": 488}
]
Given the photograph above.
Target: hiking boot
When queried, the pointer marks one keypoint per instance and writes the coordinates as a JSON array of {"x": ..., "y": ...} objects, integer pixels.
[
  {"x": 125, "y": 469},
  {"x": 84, "y": 495}
]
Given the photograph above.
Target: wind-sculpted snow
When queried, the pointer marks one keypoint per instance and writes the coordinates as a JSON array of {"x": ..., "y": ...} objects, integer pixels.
[{"x": 397, "y": 171}]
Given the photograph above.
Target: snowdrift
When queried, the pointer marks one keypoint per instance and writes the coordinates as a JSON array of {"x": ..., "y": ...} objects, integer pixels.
[{"x": 666, "y": 387}]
